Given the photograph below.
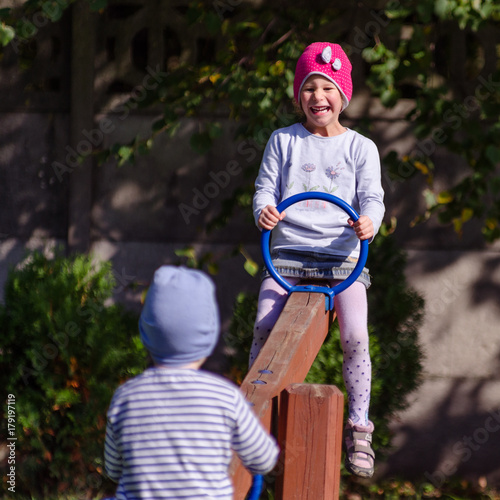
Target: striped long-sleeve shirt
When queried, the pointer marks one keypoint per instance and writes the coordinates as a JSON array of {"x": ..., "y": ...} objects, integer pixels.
[{"x": 171, "y": 434}]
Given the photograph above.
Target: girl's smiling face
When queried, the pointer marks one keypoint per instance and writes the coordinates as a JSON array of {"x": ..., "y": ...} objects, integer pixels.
[{"x": 321, "y": 102}]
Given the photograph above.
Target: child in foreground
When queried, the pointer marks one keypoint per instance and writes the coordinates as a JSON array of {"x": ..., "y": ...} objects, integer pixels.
[
  {"x": 316, "y": 239},
  {"x": 172, "y": 430}
]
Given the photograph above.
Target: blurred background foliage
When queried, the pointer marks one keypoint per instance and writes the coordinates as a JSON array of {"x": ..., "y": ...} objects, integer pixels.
[
  {"x": 409, "y": 49},
  {"x": 65, "y": 348}
]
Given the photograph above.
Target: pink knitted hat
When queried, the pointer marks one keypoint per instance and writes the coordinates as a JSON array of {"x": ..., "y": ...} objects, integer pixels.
[{"x": 328, "y": 60}]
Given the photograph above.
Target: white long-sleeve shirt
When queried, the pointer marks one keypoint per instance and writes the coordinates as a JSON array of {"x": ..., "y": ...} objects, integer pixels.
[
  {"x": 171, "y": 434},
  {"x": 346, "y": 165}
]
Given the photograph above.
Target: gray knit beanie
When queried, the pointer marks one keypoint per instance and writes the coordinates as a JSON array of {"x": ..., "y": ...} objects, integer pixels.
[{"x": 180, "y": 322}]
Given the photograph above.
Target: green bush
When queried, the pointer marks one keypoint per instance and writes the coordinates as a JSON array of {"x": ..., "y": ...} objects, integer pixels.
[
  {"x": 64, "y": 351},
  {"x": 395, "y": 313}
]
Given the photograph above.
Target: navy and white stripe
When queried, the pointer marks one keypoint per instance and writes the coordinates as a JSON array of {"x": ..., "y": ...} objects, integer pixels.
[{"x": 171, "y": 434}]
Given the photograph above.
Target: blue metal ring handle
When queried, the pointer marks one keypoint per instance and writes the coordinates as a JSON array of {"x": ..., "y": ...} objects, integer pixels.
[
  {"x": 329, "y": 292},
  {"x": 256, "y": 488}
]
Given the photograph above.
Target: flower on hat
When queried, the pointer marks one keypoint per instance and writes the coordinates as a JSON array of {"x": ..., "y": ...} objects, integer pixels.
[{"x": 326, "y": 55}]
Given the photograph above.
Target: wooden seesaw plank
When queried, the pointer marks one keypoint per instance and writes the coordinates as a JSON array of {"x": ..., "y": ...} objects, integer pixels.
[{"x": 285, "y": 358}]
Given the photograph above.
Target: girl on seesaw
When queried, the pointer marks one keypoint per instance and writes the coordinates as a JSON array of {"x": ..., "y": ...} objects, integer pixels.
[{"x": 315, "y": 239}]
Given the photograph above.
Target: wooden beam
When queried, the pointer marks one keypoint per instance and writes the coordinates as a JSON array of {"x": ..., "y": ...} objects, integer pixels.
[
  {"x": 285, "y": 358},
  {"x": 81, "y": 120},
  {"x": 310, "y": 437}
]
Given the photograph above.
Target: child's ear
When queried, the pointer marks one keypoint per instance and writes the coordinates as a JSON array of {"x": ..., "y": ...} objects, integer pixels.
[{"x": 149, "y": 361}]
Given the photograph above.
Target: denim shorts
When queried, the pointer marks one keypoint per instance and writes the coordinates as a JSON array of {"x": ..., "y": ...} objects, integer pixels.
[{"x": 314, "y": 265}]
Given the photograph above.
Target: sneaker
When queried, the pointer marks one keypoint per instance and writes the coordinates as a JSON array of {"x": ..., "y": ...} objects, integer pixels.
[{"x": 359, "y": 457}]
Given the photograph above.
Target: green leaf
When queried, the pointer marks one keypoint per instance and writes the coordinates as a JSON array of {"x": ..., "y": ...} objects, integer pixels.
[
  {"x": 467, "y": 214},
  {"x": 389, "y": 97},
  {"x": 125, "y": 152},
  {"x": 5, "y": 12},
  {"x": 266, "y": 102},
  {"x": 7, "y": 34},
  {"x": 158, "y": 125},
  {"x": 201, "y": 142},
  {"x": 213, "y": 268},
  {"x": 493, "y": 154},
  {"x": 441, "y": 8},
  {"x": 188, "y": 252},
  {"x": 214, "y": 130},
  {"x": 251, "y": 267},
  {"x": 425, "y": 11},
  {"x": 53, "y": 10},
  {"x": 66, "y": 397},
  {"x": 445, "y": 197},
  {"x": 277, "y": 69},
  {"x": 430, "y": 198},
  {"x": 372, "y": 54},
  {"x": 213, "y": 23}
]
